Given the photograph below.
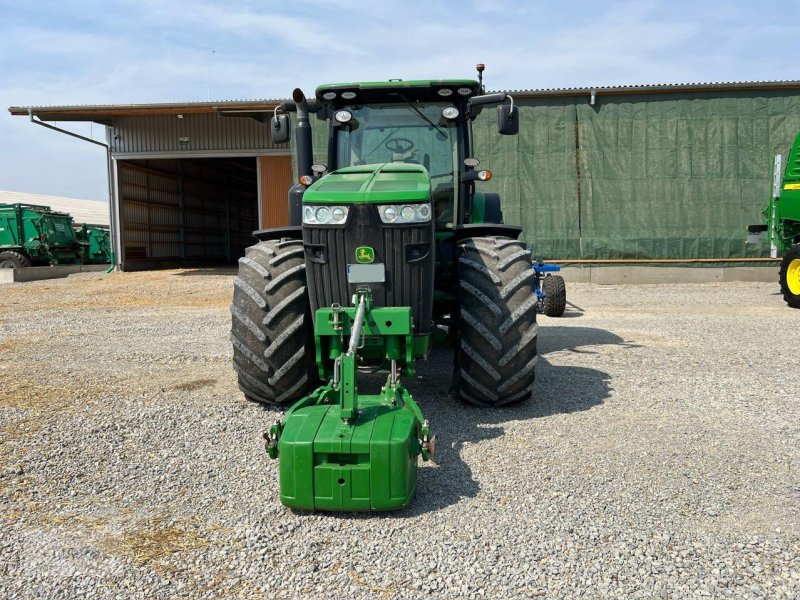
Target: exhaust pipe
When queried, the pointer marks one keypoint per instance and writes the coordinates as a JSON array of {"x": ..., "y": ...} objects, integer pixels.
[{"x": 305, "y": 155}]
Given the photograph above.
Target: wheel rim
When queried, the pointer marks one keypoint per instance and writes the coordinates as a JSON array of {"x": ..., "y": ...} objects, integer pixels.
[{"x": 793, "y": 277}]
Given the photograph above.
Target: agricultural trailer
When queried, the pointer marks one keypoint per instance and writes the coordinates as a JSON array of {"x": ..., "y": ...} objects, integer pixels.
[{"x": 35, "y": 235}]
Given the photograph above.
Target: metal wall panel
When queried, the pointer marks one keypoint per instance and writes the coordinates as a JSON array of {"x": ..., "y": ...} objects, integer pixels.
[{"x": 191, "y": 134}]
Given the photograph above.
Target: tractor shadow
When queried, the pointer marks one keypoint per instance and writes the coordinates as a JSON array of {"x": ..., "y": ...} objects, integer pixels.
[
  {"x": 572, "y": 311},
  {"x": 559, "y": 389}
]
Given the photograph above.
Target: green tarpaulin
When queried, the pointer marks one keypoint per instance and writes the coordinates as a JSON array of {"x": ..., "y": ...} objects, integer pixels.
[{"x": 650, "y": 176}]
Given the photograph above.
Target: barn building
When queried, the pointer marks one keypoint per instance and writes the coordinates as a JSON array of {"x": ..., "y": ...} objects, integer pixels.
[{"x": 636, "y": 173}]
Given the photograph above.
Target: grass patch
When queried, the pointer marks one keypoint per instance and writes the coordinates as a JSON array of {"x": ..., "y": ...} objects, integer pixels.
[{"x": 154, "y": 541}]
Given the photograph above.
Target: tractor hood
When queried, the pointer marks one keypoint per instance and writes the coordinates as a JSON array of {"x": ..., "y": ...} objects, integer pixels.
[{"x": 380, "y": 183}]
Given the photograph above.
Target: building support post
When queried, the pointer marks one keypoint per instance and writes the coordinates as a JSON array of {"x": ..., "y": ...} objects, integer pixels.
[{"x": 115, "y": 256}]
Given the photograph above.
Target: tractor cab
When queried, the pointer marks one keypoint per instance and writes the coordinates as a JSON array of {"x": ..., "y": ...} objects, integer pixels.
[
  {"x": 418, "y": 122},
  {"x": 422, "y": 122}
]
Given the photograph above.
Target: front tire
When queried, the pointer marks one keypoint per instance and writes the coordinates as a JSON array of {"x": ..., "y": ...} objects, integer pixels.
[
  {"x": 13, "y": 260},
  {"x": 496, "y": 356},
  {"x": 789, "y": 276},
  {"x": 555, "y": 295},
  {"x": 271, "y": 327}
]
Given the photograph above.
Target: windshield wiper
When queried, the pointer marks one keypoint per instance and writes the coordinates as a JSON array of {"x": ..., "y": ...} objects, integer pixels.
[
  {"x": 391, "y": 133},
  {"x": 424, "y": 116}
]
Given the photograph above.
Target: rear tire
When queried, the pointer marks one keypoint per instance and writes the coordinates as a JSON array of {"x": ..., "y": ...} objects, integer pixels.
[
  {"x": 555, "y": 295},
  {"x": 789, "y": 276},
  {"x": 496, "y": 355},
  {"x": 13, "y": 260},
  {"x": 271, "y": 327}
]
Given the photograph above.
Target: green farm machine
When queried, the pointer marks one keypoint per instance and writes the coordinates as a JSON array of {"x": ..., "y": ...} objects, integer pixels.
[
  {"x": 782, "y": 227},
  {"x": 35, "y": 235},
  {"x": 97, "y": 239},
  {"x": 391, "y": 247}
]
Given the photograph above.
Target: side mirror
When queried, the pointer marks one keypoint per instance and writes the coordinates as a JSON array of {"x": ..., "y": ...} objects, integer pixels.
[
  {"x": 508, "y": 119},
  {"x": 280, "y": 128},
  {"x": 488, "y": 99}
]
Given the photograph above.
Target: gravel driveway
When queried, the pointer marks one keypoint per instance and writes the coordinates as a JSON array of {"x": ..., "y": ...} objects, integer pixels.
[{"x": 660, "y": 458}]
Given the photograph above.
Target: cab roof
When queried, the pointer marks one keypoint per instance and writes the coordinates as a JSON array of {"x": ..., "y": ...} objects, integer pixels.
[{"x": 417, "y": 89}]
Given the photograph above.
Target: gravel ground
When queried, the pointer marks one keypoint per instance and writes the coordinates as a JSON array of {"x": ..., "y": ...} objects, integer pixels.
[{"x": 659, "y": 459}]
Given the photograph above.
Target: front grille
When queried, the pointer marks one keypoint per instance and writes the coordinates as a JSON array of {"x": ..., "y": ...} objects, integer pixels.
[{"x": 329, "y": 250}]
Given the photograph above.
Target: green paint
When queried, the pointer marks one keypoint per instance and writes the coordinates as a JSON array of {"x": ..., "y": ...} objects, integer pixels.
[
  {"x": 371, "y": 184},
  {"x": 365, "y": 254},
  {"x": 478, "y": 214},
  {"x": 782, "y": 214},
  {"x": 42, "y": 235},
  {"x": 369, "y": 464},
  {"x": 340, "y": 450},
  {"x": 98, "y": 239}
]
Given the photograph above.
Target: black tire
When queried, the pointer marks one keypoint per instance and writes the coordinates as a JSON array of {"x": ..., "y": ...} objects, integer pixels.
[
  {"x": 13, "y": 260},
  {"x": 271, "y": 327},
  {"x": 496, "y": 355},
  {"x": 788, "y": 274},
  {"x": 555, "y": 295}
]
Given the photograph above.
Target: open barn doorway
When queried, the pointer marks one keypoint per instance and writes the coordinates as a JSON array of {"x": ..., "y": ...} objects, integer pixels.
[{"x": 187, "y": 212}]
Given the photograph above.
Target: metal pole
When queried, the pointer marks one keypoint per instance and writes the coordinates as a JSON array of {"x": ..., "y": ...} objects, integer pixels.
[
  {"x": 109, "y": 173},
  {"x": 358, "y": 322},
  {"x": 772, "y": 218}
]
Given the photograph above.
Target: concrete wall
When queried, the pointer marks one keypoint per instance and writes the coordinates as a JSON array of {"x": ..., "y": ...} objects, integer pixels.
[
  {"x": 644, "y": 274},
  {"x": 37, "y": 273}
]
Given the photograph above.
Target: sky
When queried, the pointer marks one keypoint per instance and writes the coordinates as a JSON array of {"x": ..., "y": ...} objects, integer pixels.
[{"x": 141, "y": 51}]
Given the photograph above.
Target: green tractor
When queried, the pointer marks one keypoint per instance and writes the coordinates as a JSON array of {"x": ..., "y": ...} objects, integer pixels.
[
  {"x": 391, "y": 247},
  {"x": 782, "y": 216}
]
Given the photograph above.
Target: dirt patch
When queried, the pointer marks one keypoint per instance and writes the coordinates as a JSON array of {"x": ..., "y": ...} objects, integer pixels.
[
  {"x": 197, "y": 384},
  {"x": 10, "y": 345},
  {"x": 146, "y": 289},
  {"x": 19, "y": 391}
]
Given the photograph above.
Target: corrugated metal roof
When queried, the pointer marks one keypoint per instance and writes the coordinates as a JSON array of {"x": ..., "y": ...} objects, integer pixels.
[
  {"x": 650, "y": 88},
  {"x": 103, "y": 112},
  {"x": 83, "y": 211}
]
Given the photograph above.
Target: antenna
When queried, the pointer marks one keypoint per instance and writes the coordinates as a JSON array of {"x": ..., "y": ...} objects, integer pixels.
[
  {"x": 208, "y": 72},
  {"x": 480, "y": 67}
]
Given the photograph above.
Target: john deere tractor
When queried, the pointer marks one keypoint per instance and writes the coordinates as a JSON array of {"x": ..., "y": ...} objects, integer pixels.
[
  {"x": 782, "y": 223},
  {"x": 391, "y": 245}
]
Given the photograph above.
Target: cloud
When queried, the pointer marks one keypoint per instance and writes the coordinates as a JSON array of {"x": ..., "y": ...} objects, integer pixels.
[{"x": 124, "y": 51}]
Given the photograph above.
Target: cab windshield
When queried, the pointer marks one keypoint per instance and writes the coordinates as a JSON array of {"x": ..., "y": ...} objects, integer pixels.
[{"x": 409, "y": 133}]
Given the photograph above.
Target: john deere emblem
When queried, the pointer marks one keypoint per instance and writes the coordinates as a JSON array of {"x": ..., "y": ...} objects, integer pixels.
[{"x": 365, "y": 254}]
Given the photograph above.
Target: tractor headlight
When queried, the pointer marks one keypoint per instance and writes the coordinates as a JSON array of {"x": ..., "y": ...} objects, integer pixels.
[
  {"x": 388, "y": 213},
  {"x": 325, "y": 215},
  {"x": 405, "y": 213},
  {"x": 343, "y": 116},
  {"x": 450, "y": 112}
]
